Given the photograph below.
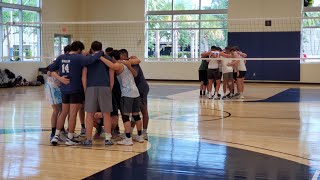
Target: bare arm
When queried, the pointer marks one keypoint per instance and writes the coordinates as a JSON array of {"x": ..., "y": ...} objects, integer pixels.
[
  {"x": 134, "y": 60},
  {"x": 111, "y": 76},
  {"x": 84, "y": 78},
  {"x": 111, "y": 65},
  {"x": 244, "y": 55},
  {"x": 59, "y": 78}
]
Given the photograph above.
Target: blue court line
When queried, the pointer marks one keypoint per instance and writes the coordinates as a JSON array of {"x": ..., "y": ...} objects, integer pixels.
[{"x": 294, "y": 95}]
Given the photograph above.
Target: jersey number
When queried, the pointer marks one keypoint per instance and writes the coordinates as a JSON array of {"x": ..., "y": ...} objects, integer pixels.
[{"x": 65, "y": 68}]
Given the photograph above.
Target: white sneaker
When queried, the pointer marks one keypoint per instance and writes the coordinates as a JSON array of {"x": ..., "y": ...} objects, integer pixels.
[
  {"x": 138, "y": 138},
  {"x": 209, "y": 95},
  {"x": 241, "y": 97},
  {"x": 126, "y": 141},
  {"x": 216, "y": 97},
  {"x": 72, "y": 142},
  {"x": 54, "y": 140},
  {"x": 145, "y": 136}
]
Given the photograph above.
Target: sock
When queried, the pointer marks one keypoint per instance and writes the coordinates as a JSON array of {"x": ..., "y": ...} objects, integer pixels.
[
  {"x": 128, "y": 135},
  {"x": 57, "y": 132},
  {"x": 53, "y": 130},
  {"x": 144, "y": 131},
  {"x": 139, "y": 132},
  {"x": 82, "y": 125},
  {"x": 200, "y": 93},
  {"x": 108, "y": 136},
  {"x": 70, "y": 135}
]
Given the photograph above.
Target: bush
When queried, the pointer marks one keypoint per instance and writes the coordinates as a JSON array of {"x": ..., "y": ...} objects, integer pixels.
[{"x": 182, "y": 53}]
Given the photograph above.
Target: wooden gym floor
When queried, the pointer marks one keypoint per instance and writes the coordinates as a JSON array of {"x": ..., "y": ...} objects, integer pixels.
[{"x": 273, "y": 134}]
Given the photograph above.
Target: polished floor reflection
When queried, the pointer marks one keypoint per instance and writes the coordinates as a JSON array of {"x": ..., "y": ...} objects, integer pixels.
[{"x": 273, "y": 134}]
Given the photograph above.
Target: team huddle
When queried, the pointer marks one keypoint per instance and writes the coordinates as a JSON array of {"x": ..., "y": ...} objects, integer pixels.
[
  {"x": 211, "y": 71},
  {"x": 100, "y": 84}
]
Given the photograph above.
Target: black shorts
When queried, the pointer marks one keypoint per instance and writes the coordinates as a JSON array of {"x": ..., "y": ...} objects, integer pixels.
[
  {"x": 130, "y": 105},
  {"x": 74, "y": 98},
  {"x": 242, "y": 74},
  {"x": 115, "y": 105},
  {"x": 203, "y": 76},
  {"x": 144, "y": 97},
  {"x": 214, "y": 74}
]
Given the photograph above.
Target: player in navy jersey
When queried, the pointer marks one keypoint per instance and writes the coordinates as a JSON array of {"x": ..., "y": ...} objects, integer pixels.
[
  {"x": 97, "y": 82},
  {"x": 70, "y": 70}
]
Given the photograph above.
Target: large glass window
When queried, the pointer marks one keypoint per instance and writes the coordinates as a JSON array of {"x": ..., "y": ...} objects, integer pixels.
[
  {"x": 310, "y": 40},
  {"x": 20, "y": 38},
  {"x": 193, "y": 27}
]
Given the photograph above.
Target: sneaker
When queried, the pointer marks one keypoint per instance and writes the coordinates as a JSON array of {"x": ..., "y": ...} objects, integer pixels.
[
  {"x": 138, "y": 138},
  {"x": 108, "y": 142},
  {"x": 225, "y": 97},
  {"x": 51, "y": 136},
  {"x": 72, "y": 142},
  {"x": 145, "y": 136},
  {"x": 216, "y": 97},
  {"x": 241, "y": 97},
  {"x": 219, "y": 95},
  {"x": 87, "y": 142},
  {"x": 54, "y": 140},
  {"x": 209, "y": 95},
  {"x": 122, "y": 135},
  {"x": 63, "y": 137},
  {"x": 126, "y": 141},
  {"x": 75, "y": 135},
  {"x": 83, "y": 132}
]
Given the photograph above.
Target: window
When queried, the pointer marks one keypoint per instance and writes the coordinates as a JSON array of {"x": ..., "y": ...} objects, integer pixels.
[
  {"x": 60, "y": 41},
  {"x": 195, "y": 26},
  {"x": 20, "y": 38},
  {"x": 310, "y": 41}
]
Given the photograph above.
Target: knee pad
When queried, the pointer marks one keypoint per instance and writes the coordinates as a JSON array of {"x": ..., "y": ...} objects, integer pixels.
[
  {"x": 136, "y": 117},
  {"x": 125, "y": 118}
]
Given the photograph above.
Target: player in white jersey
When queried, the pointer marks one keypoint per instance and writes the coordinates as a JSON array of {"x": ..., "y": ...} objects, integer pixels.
[
  {"x": 240, "y": 68},
  {"x": 227, "y": 72}
]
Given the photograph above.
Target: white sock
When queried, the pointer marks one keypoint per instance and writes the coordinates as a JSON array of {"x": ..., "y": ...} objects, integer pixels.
[
  {"x": 70, "y": 135},
  {"x": 108, "y": 136},
  {"x": 144, "y": 131},
  {"x": 57, "y": 132}
]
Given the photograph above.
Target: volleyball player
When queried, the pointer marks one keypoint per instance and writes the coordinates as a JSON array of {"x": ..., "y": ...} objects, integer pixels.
[
  {"x": 240, "y": 70},
  {"x": 227, "y": 78},
  {"x": 70, "y": 68},
  {"x": 130, "y": 100},
  {"x": 213, "y": 72},
  {"x": 143, "y": 88},
  {"x": 97, "y": 81},
  {"x": 203, "y": 76}
]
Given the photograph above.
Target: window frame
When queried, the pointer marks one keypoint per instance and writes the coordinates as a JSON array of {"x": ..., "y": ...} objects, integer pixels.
[
  {"x": 20, "y": 8},
  {"x": 174, "y": 13}
]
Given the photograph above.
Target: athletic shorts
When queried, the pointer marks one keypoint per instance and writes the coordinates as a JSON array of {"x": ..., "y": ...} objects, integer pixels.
[
  {"x": 98, "y": 98},
  {"x": 73, "y": 98},
  {"x": 130, "y": 105},
  {"x": 228, "y": 76},
  {"x": 214, "y": 74},
  {"x": 144, "y": 98},
  {"x": 53, "y": 95},
  {"x": 115, "y": 105},
  {"x": 203, "y": 76},
  {"x": 242, "y": 74}
]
